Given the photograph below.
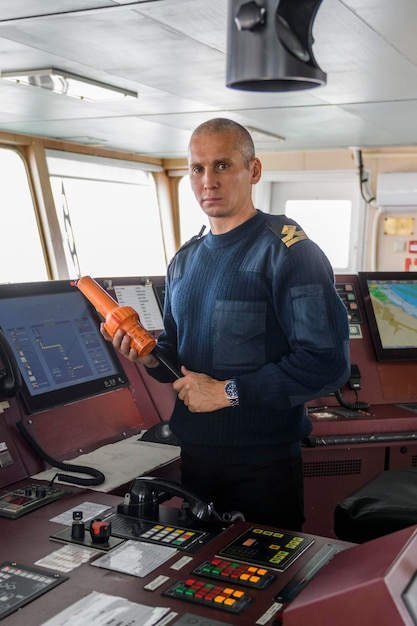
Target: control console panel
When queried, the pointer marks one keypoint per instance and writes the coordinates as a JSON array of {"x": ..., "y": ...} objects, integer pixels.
[{"x": 25, "y": 499}]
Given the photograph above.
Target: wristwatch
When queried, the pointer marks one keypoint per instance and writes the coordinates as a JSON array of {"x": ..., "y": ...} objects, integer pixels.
[{"x": 230, "y": 389}]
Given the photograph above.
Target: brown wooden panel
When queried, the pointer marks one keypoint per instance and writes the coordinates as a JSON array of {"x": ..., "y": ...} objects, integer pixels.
[
  {"x": 398, "y": 381},
  {"x": 87, "y": 424},
  {"x": 66, "y": 431},
  {"x": 331, "y": 474},
  {"x": 402, "y": 456},
  {"x": 12, "y": 468}
]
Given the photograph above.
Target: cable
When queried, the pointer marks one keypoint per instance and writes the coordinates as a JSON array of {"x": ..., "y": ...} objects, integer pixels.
[
  {"x": 362, "y": 178},
  {"x": 353, "y": 406},
  {"x": 97, "y": 477}
]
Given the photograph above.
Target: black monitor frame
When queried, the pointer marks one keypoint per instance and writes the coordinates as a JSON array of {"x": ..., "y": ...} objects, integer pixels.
[
  {"x": 383, "y": 352},
  {"x": 31, "y": 307}
]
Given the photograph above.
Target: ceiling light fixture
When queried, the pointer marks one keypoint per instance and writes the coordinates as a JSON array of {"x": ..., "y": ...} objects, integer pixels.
[{"x": 68, "y": 84}]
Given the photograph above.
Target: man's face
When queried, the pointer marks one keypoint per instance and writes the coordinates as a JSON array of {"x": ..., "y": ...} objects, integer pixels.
[{"x": 220, "y": 180}]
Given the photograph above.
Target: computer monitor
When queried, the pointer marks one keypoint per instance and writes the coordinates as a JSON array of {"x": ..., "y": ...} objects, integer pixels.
[
  {"x": 54, "y": 333},
  {"x": 390, "y": 301}
]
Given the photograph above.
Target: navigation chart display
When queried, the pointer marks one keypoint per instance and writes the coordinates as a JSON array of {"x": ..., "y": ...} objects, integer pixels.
[
  {"x": 391, "y": 303},
  {"x": 395, "y": 306}
]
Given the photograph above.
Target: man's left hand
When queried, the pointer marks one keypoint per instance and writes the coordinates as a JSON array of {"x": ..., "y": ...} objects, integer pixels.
[{"x": 201, "y": 393}]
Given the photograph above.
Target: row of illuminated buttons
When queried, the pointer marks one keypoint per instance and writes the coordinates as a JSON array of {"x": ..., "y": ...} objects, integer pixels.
[
  {"x": 208, "y": 594},
  {"x": 167, "y": 534},
  {"x": 248, "y": 575}
]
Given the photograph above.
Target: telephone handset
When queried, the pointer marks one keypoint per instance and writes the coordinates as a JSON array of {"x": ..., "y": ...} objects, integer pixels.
[
  {"x": 355, "y": 384},
  {"x": 147, "y": 492},
  {"x": 10, "y": 377}
]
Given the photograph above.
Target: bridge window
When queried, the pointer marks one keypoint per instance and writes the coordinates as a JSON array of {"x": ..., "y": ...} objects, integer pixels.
[
  {"x": 21, "y": 253},
  {"x": 108, "y": 214},
  {"x": 318, "y": 218},
  {"x": 327, "y": 205}
]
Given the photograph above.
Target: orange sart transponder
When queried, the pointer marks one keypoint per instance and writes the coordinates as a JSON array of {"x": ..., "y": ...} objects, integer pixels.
[{"x": 116, "y": 316}]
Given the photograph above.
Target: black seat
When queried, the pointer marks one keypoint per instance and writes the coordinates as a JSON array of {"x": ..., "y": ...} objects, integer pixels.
[{"x": 384, "y": 505}]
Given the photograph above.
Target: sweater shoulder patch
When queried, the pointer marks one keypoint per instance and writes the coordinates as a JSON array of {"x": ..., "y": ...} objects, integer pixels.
[{"x": 289, "y": 233}]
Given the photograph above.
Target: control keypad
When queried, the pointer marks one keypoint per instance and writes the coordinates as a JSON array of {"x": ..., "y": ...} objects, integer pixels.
[{"x": 236, "y": 573}]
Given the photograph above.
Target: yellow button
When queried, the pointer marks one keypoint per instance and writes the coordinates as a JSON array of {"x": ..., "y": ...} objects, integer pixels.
[{"x": 219, "y": 599}]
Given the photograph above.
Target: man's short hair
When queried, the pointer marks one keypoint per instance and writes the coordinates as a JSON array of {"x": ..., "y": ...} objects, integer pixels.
[{"x": 244, "y": 142}]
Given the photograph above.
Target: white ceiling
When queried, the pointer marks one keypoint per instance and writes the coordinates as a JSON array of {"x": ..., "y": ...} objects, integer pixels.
[{"x": 173, "y": 53}]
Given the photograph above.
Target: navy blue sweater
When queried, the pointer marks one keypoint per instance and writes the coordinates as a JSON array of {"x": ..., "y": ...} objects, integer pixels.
[{"x": 257, "y": 304}]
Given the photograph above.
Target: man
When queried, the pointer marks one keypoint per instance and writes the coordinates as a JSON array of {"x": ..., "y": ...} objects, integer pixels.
[{"x": 253, "y": 320}]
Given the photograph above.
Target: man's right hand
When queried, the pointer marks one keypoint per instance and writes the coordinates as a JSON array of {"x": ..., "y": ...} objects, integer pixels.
[{"x": 121, "y": 341}]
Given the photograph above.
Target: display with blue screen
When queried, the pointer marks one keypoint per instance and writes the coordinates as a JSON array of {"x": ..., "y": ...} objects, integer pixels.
[
  {"x": 390, "y": 300},
  {"x": 54, "y": 333}
]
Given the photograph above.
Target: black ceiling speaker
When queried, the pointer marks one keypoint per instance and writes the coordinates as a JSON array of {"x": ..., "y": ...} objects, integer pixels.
[{"x": 269, "y": 45}]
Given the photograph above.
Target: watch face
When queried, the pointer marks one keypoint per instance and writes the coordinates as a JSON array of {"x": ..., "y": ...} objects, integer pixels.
[{"x": 230, "y": 390}]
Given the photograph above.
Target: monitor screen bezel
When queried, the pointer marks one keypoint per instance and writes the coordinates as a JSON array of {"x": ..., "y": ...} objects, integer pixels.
[
  {"x": 73, "y": 392},
  {"x": 406, "y": 353}
]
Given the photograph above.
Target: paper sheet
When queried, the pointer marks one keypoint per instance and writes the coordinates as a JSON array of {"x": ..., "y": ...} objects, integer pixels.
[
  {"x": 121, "y": 462},
  {"x": 66, "y": 558},
  {"x": 143, "y": 300},
  {"x": 136, "y": 558},
  {"x": 90, "y": 510},
  {"x": 100, "y": 609}
]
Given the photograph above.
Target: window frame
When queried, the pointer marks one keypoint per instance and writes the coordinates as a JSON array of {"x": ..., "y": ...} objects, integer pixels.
[
  {"x": 25, "y": 153},
  {"x": 119, "y": 171}
]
